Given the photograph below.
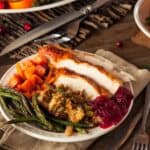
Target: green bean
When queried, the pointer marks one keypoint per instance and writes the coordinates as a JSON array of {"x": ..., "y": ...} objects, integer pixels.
[
  {"x": 10, "y": 95},
  {"x": 25, "y": 104},
  {"x": 58, "y": 127},
  {"x": 20, "y": 109},
  {"x": 81, "y": 130},
  {"x": 14, "y": 95},
  {"x": 4, "y": 105},
  {"x": 39, "y": 113},
  {"x": 66, "y": 123},
  {"x": 9, "y": 109},
  {"x": 22, "y": 112},
  {"x": 24, "y": 119},
  {"x": 29, "y": 119},
  {"x": 9, "y": 91},
  {"x": 14, "y": 112},
  {"x": 5, "y": 89}
]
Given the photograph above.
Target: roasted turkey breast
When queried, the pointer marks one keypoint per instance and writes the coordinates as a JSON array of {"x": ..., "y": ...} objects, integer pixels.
[
  {"x": 60, "y": 58},
  {"x": 79, "y": 83}
]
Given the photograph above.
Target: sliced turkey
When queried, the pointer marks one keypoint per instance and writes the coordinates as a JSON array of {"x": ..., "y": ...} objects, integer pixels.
[
  {"x": 79, "y": 83},
  {"x": 61, "y": 58}
]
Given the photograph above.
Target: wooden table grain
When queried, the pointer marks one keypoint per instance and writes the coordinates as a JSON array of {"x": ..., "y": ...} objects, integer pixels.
[
  {"x": 106, "y": 39},
  {"x": 122, "y": 31},
  {"x": 138, "y": 55}
]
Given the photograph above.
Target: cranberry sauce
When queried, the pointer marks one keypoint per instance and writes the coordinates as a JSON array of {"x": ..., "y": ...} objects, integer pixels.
[{"x": 112, "y": 110}]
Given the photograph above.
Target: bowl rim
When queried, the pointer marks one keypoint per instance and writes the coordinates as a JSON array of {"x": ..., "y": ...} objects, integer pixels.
[
  {"x": 38, "y": 8},
  {"x": 138, "y": 20}
]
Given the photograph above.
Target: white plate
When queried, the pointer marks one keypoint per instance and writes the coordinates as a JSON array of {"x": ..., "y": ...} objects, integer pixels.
[
  {"x": 141, "y": 11},
  {"x": 38, "y": 8},
  {"x": 52, "y": 136}
]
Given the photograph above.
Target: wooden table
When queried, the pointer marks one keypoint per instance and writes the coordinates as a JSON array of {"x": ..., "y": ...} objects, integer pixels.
[
  {"x": 123, "y": 31},
  {"x": 135, "y": 54}
]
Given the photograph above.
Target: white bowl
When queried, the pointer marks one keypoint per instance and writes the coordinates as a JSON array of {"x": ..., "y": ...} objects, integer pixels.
[{"x": 141, "y": 12}]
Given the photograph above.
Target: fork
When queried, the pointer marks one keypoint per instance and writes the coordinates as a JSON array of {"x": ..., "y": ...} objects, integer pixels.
[
  {"x": 65, "y": 34},
  {"x": 6, "y": 147},
  {"x": 5, "y": 132},
  {"x": 141, "y": 141}
]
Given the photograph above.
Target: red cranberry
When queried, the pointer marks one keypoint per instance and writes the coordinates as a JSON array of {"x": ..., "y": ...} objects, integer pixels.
[
  {"x": 111, "y": 110},
  {"x": 107, "y": 110},
  {"x": 123, "y": 98},
  {"x": 2, "y": 29},
  {"x": 123, "y": 95},
  {"x": 2, "y": 5},
  {"x": 27, "y": 27},
  {"x": 119, "y": 44}
]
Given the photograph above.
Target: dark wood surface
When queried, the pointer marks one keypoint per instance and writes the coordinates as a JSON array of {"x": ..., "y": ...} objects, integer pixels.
[
  {"x": 135, "y": 54},
  {"x": 122, "y": 31},
  {"x": 106, "y": 39}
]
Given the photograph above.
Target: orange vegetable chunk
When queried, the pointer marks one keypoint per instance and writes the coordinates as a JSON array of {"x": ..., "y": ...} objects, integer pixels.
[
  {"x": 29, "y": 69},
  {"x": 27, "y": 86},
  {"x": 40, "y": 60},
  {"x": 40, "y": 70},
  {"x": 20, "y": 70},
  {"x": 35, "y": 79},
  {"x": 28, "y": 94},
  {"x": 14, "y": 81},
  {"x": 18, "y": 4}
]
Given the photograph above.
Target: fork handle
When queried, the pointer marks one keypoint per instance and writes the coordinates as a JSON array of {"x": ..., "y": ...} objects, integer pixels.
[{"x": 146, "y": 108}]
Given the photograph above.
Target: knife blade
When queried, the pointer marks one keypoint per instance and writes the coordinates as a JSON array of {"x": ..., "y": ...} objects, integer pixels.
[{"x": 52, "y": 25}]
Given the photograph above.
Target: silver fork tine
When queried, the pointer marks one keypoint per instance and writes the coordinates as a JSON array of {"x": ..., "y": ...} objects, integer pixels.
[
  {"x": 6, "y": 147},
  {"x": 141, "y": 140},
  {"x": 67, "y": 33},
  {"x": 71, "y": 31},
  {"x": 137, "y": 147},
  {"x": 142, "y": 146},
  {"x": 50, "y": 37},
  {"x": 62, "y": 40},
  {"x": 133, "y": 146},
  {"x": 6, "y": 133},
  {"x": 146, "y": 147}
]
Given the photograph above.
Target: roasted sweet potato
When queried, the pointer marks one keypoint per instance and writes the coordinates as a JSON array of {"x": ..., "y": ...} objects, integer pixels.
[
  {"x": 20, "y": 70},
  {"x": 29, "y": 71},
  {"x": 27, "y": 86},
  {"x": 36, "y": 80},
  {"x": 15, "y": 80},
  {"x": 40, "y": 60},
  {"x": 40, "y": 70}
]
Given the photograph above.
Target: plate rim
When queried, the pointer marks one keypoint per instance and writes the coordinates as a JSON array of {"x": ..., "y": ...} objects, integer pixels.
[
  {"x": 24, "y": 127},
  {"x": 38, "y": 8},
  {"x": 138, "y": 20}
]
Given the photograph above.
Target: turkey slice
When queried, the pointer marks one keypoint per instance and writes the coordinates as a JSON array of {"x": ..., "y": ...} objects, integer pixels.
[
  {"x": 79, "y": 83},
  {"x": 61, "y": 58}
]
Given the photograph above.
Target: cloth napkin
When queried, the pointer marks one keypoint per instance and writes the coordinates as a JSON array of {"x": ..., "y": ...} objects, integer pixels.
[{"x": 20, "y": 141}]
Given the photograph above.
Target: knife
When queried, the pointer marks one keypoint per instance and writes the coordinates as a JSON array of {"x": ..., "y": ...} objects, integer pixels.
[{"x": 52, "y": 25}]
